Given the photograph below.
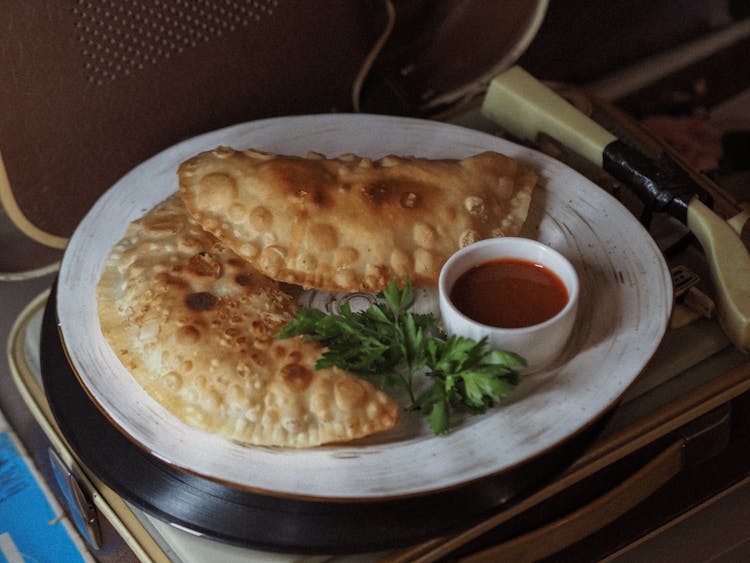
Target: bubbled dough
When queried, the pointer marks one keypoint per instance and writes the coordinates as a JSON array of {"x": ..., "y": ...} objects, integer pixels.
[
  {"x": 193, "y": 323},
  {"x": 352, "y": 223}
]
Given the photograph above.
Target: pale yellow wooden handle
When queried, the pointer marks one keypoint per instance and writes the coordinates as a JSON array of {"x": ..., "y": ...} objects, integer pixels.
[
  {"x": 729, "y": 262},
  {"x": 739, "y": 221},
  {"x": 525, "y": 107}
]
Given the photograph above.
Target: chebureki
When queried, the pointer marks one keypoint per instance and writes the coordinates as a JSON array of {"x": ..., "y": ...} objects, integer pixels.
[
  {"x": 353, "y": 223},
  {"x": 193, "y": 323},
  {"x": 189, "y": 299}
]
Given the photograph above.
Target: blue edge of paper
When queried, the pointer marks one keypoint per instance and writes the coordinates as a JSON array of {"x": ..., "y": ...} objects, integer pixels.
[{"x": 29, "y": 525}]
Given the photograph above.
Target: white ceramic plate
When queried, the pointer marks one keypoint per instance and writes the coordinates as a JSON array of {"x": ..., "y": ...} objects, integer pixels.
[{"x": 626, "y": 297}]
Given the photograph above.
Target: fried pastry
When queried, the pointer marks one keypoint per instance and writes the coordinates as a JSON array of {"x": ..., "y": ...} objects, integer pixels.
[
  {"x": 353, "y": 223},
  {"x": 193, "y": 323}
]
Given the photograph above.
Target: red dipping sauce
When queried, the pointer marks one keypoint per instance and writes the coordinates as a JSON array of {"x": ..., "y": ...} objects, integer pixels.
[{"x": 509, "y": 293}]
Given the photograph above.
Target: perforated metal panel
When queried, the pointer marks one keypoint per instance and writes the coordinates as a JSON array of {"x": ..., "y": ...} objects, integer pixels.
[{"x": 120, "y": 38}]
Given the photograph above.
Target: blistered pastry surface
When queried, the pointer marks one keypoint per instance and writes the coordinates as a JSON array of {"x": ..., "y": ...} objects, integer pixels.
[
  {"x": 352, "y": 223},
  {"x": 194, "y": 324}
]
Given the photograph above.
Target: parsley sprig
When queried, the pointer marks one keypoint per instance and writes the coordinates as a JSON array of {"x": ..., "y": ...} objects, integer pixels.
[{"x": 393, "y": 346}]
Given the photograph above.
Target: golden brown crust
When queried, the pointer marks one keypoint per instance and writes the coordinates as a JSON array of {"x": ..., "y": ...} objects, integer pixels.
[
  {"x": 351, "y": 223},
  {"x": 193, "y": 323}
]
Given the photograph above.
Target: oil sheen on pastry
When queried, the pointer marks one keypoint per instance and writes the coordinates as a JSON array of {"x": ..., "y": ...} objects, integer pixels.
[
  {"x": 351, "y": 223},
  {"x": 193, "y": 323}
]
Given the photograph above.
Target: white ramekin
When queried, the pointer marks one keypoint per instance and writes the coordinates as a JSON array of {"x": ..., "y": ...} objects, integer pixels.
[{"x": 538, "y": 344}]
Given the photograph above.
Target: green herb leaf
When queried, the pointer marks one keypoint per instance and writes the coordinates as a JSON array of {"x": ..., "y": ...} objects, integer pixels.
[
  {"x": 435, "y": 407},
  {"x": 390, "y": 345}
]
